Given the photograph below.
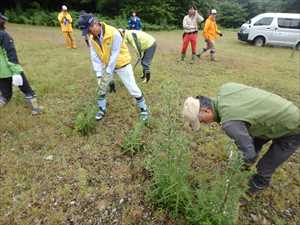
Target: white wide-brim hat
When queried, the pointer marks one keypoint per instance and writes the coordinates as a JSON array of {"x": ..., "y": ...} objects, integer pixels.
[{"x": 190, "y": 112}]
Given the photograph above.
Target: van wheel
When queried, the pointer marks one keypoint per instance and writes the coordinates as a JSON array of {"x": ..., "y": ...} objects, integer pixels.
[
  {"x": 259, "y": 41},
  {"x": 298, "y": 47}
]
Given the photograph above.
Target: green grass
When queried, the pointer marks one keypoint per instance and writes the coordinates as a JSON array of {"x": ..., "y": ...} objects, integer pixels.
[{"x": 89, "y": 173}]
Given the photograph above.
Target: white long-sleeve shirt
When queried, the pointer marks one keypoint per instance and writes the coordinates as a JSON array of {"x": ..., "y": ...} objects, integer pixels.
[{"x": 190, "y": 23}]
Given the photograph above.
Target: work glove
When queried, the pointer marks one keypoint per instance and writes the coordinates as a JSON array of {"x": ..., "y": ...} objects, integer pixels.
[
  {"x": 104, "y": 83},
  {"x": 17, "y": 80}
]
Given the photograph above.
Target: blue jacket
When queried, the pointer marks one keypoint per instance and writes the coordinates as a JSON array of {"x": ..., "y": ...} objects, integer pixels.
[{"x": 134, "y": 23}]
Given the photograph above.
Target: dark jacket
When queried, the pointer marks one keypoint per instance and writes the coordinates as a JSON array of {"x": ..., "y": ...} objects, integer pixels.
[
  {"x": 9, "y": 63},
  {"x": 7, "y": 43},
  {"x": 134, "y": 23}
]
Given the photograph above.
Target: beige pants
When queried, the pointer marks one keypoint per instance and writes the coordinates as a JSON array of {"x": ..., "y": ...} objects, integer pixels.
[{"x": 69, "y": 40}]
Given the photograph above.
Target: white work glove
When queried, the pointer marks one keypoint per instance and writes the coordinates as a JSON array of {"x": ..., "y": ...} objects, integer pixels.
[{"x": 17, "y": 80}]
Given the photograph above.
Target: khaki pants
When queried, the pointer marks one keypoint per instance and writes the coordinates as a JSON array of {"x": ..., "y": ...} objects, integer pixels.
[{"x": 69, "y": 40}]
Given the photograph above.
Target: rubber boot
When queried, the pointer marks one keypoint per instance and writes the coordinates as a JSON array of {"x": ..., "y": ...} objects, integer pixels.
[
  {"x": 146, "y": 76},
  {"x": 141, "y": 104},
  {"x": 102, "y": 108},
  {"x": 35, "y": 108},
  {"x": 112, "y": 87},
  {"x": 182, "y": 57}
]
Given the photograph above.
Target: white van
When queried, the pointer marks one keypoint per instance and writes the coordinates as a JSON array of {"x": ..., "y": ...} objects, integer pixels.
[{"x": 281, "y": 29}]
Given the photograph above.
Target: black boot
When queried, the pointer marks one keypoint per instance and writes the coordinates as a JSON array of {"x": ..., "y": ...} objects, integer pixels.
[{"x": 112, "y": 87}]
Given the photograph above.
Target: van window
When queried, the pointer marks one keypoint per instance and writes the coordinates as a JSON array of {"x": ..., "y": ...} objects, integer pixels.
[
  {"x": 264, "y": 21},
  {"x": 289, "y": 23}
]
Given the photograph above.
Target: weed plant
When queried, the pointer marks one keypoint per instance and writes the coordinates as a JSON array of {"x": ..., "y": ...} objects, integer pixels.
[
  {"x": 217, "y": 203},
  {"x": 133, "y": 142},
  {"x": 85, "y": 122},
  {"x": 170, "y": 163}
]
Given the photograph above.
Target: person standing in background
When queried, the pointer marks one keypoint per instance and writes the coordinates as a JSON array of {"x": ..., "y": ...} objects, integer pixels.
[
  {"x": 134, "y": 23},
  {"x": 65, "y": 21},
  {"x": 210, "y": 33},
  {"x": 190, "y": 35}
]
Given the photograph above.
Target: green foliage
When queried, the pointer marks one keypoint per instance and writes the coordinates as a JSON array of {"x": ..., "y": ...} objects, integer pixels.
[
  {"x": 161, "y": 13},
  {"x": 85, "y": 122},
  {"x": 133, "y": 142},
  {"x": 40, "y": 17},
  {"x": 217, "y": 202},
  {"x": 231, "y": 14},
  {"x": 170, "y": 162}
]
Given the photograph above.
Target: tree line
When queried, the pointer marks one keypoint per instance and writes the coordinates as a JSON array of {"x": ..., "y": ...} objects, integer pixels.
[{"x": 232, "y": 13}]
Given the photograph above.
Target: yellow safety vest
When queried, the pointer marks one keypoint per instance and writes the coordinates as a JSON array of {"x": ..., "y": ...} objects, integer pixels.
[{"x": 104, "y": 50}]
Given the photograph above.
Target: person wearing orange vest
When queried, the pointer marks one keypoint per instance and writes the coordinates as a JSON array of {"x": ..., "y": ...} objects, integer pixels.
[
  {"x": 65, "y": 21},
  {"x": 109, "y": 55},
  {"x": 210, "y": 34}
]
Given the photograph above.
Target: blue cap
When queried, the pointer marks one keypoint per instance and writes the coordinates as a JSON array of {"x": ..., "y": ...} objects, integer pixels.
[
  {"x": 3, "y": 17},
  {"x": 84, "y": 22}
]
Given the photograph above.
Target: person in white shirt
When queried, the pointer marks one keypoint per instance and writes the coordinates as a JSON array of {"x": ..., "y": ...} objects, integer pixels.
[{"x": 190, "y": 27}]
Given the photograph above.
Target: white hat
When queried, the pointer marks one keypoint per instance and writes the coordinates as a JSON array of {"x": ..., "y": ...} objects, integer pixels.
[
  {"x": 213, "y": 11},
  {"x": 64, "y": 8},
  {"x": 190, "y": 112}
]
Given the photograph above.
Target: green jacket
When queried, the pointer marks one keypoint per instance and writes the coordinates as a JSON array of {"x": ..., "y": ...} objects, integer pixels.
[
  {"x": 270, "y": 116},
  {"x": 7, "y": 69},
  {"x": 9, "y": 63}
]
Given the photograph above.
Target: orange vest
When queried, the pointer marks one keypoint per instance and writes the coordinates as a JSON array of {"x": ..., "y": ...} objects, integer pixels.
[{"x": 210, "y": 31}]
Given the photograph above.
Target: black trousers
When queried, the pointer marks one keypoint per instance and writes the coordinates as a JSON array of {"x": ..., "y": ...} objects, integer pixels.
[
  {"x": 280, "y": 150},
  {"x": 7, "y": 90}
]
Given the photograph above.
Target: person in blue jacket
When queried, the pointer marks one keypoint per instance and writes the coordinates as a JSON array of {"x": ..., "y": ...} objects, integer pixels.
[{"x": 134, "y": 23}]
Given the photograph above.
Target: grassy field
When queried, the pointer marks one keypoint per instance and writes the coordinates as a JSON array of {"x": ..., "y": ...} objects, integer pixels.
[{"x": 50, "y": 174}]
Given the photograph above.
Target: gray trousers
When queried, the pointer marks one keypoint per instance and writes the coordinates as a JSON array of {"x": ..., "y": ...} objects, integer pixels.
[
  {"x": 280, "y": 150},
  {"x": 147, "y": 57}
]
